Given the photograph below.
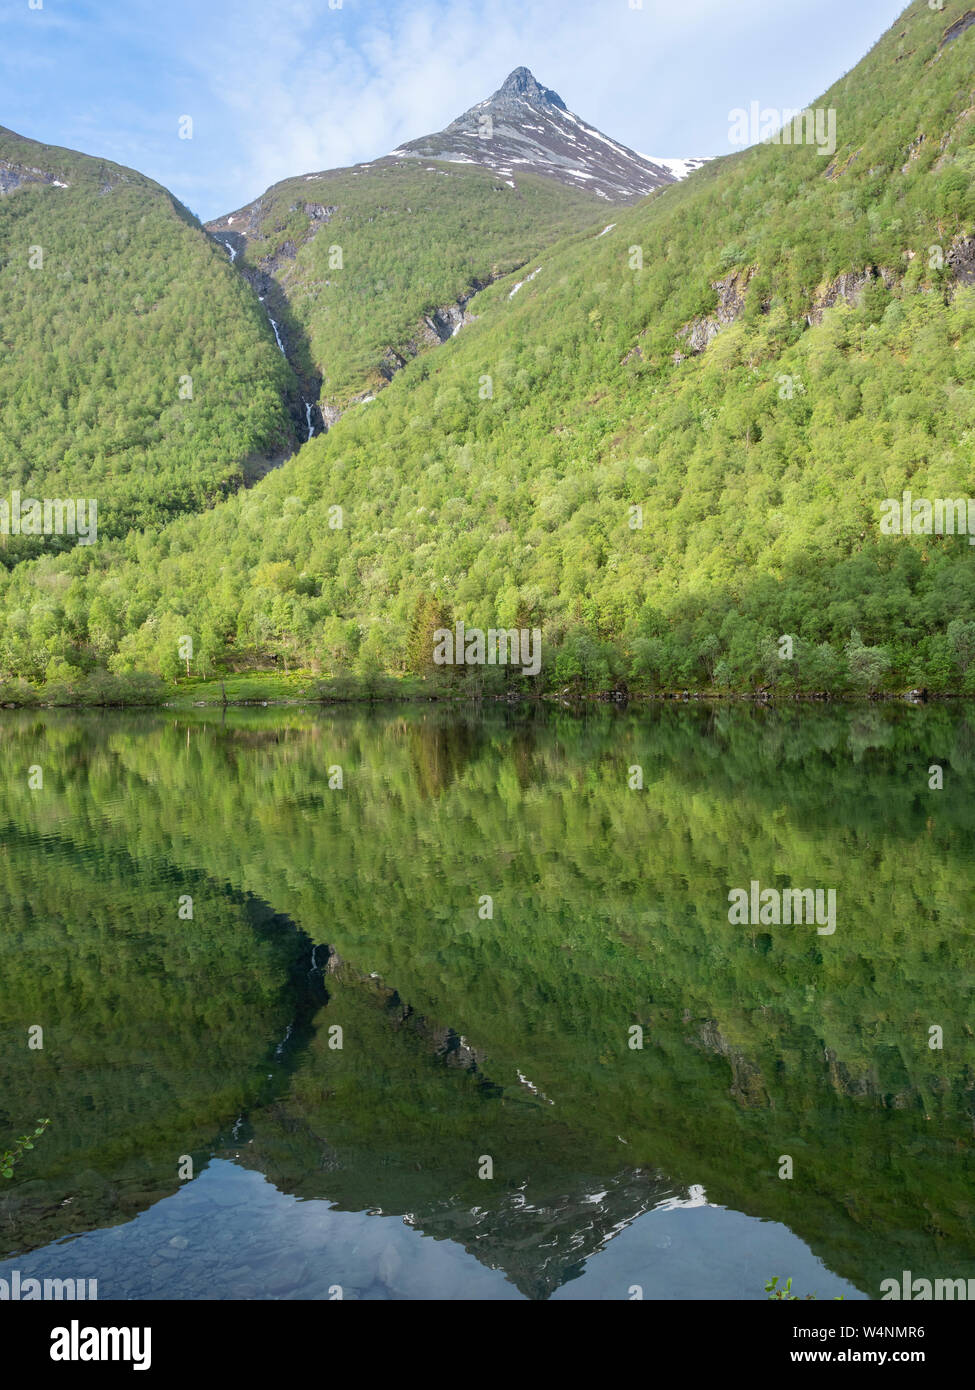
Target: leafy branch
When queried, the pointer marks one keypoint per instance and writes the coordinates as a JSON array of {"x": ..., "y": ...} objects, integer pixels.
[
  {"x": 786, "y": 1291},
  {"x": 9, "y": 1157}
]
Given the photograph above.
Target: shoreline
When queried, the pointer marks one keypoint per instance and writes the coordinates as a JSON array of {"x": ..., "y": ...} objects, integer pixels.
[{"x": 564, "y": 698}]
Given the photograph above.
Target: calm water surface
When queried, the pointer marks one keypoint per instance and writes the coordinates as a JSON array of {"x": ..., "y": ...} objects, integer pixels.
[{"x": 305, "y": 978}]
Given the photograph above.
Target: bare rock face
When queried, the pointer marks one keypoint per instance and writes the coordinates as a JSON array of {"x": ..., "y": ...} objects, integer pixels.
[
  {"x": 14, "y": 176},
  {"x": 847, "y": 288},
  {"x": 955, "y": 31},
  {"x": 701, "y": 332},
  {"x": 913, "y": 152},
  {"x": 527, "y": 128},
  {"x": 837, "y": 168},
  {"x": 447, "y": 321},
  {"x": 961, "y": 260},
  {"x": 234, "y": 230},
  {"x": 436, "y": 327},
  {"x": 747, "y": 1085}
]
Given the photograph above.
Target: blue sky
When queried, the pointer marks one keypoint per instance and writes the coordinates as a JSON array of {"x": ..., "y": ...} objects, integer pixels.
[{"x": 283, "y": 87}]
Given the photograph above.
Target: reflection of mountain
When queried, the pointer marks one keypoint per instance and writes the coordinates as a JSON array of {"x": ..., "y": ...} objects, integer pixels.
[
  {"x": 609, "y": 911},
  {"x": 137, "y": 1069},
  {"x": 543, "y": 1243},
  {"x": 401, "y": 1118}
]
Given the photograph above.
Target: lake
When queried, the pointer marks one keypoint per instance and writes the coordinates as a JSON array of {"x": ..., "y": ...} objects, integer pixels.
[{"x": 431, "y": 1002}]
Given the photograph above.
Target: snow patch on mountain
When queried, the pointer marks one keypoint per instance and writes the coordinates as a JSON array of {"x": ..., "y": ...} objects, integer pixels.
[
  {"x": 680, "y": 168},
  {"x": 527, "y": 125}
]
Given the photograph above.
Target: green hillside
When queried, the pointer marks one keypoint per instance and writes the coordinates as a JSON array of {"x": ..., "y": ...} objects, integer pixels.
[
  {"x": 496, "y": 475},
  {"x": 111, "y": 299},
  {"x": 352, "y": 260}
]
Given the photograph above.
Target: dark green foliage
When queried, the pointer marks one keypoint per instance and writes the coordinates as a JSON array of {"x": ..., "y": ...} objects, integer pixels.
[
  {"x": 498, "y": 473},
  {"x": 128, "y": 299},
  {"x": 428, "y": 616},
  {"x": 610, "y": 909}
]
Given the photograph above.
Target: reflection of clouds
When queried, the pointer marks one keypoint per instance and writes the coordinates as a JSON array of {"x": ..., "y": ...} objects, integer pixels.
[{"x": 696, "y": 1197}]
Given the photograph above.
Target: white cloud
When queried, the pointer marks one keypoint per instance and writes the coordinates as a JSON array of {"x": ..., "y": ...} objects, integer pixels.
[
  {"x": 278, "y": 88},
  {"x": 309, "y": 88}
]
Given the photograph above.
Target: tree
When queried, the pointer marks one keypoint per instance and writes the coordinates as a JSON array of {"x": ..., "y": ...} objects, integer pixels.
[
  {"x": 429, "y": 615},
  {"x": 867, "y": 665},
  {"x": 961, "y": 637}
]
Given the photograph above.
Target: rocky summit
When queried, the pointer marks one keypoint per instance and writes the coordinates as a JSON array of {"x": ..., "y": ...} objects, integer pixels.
[{"x": 527, "y": 128}]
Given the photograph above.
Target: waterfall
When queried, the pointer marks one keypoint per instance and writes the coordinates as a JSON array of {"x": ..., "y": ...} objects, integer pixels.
[
  {"x": 311, "y": 431},
  {"x": 277, "y": 335}
]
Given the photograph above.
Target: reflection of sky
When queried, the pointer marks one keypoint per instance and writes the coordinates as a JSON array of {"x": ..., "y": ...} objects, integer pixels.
[
  {"x": 231, "y": 1234},
  {"x": 690, "y": 1250},
  {"x": 298, "y": 86}
]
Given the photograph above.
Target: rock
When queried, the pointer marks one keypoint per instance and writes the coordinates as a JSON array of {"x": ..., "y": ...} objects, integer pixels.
[
  {"x": 848, "y": 288},
  {"x": 14, "y": 176},
  {"x": 961, "y": 260},
  {"x": 532, "y": 131},
  {"x": 701, "y": 332},
  {"x": 955, "y": 31}
]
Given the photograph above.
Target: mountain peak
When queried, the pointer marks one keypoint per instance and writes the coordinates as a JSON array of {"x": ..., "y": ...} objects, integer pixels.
[
  {"x": 525, "y": 128},
  {"x": 523, "y": 83}
]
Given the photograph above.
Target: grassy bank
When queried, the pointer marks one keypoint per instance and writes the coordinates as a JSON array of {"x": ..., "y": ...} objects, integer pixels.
[{"x": 141, "y": 690}]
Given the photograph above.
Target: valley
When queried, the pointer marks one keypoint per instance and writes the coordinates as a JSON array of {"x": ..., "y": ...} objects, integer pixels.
[
  {"x": 487, "y": 649},
  {"x": 665, "y": 439}
]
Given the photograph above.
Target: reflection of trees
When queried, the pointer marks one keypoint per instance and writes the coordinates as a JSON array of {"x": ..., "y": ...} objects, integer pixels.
[
  {"x": 157, "y": 1030},
  {"x": 440, "y": 748},
  {"x": 868, "y": 729},
  {"x": 610, "y": 909}
]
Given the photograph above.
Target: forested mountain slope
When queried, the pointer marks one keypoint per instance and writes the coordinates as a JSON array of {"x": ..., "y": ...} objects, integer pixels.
[
  {"x": 756, "y": 358},
  {"x": 114, "y": 306},
  {"x": 365, "y": 268}
]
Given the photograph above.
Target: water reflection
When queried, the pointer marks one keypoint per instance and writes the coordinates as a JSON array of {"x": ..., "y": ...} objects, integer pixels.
[{"x": 295, "y": 991}]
